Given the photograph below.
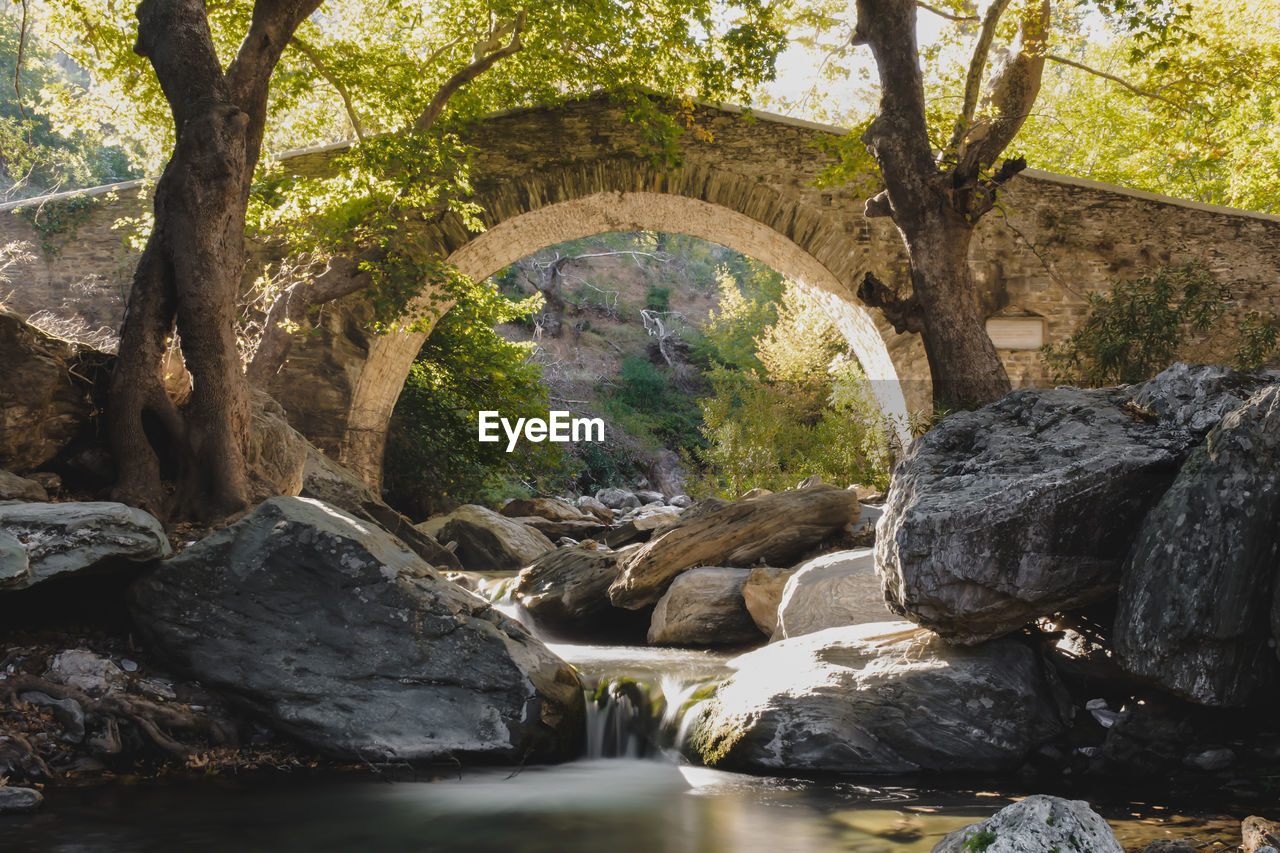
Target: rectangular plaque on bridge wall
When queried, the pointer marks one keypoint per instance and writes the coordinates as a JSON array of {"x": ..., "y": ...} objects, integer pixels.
[{"x": 1016, "y": 332}]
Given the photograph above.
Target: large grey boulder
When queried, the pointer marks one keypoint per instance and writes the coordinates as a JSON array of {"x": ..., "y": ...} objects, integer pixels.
[
  {"x": 567, "y": 590},
  {"x": 586, "y": 503},
  {"x": 776, "y": 529},
  {"x": 338, "y": 635},
  {"x": 1037, "y": 824},
  {"x": 704, "y": 607},
  {"x": 1028, "y": 506},
  {"x": 882, "y": 698},
  {"x": 840, "y": 588},
  {"x": 487, "y": 542},
  {"x": 1190, "y": 616},
  {"x": 61, "y": 538},
  {"x": 616, "y": 499}
]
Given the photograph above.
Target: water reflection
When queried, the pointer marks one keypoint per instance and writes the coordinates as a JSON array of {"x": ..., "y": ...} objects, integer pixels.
[{"x": 615, "y": 805}]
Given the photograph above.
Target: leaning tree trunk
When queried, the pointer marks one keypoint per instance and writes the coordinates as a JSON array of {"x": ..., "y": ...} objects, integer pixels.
[{"x": 192, "y": 266}]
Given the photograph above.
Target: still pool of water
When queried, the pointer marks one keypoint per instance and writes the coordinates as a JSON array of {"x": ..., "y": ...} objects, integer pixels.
[
  {"x": 595, "y": 806},
  {"x": 656, "y": 805}
]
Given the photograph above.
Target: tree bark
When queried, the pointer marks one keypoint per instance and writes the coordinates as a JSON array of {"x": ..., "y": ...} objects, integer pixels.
[{"x": 192, "y": 266}]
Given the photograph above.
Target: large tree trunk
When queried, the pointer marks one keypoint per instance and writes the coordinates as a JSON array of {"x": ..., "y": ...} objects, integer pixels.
[
  {"x": 963, "y": 363},
  {"x": 936, "y": 205},
  {"x": 192, "y": 266}
]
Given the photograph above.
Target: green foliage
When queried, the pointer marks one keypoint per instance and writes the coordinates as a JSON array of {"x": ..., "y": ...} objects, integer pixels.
[
  {"x": 1259, "y": 341},
  {"x": 365, "y": 67},
  {"x": 980, "y": 841},
  {"x": 465, "y": 367},
  {"x": 647, "y": 407},
  {"x": 806, "y": 409},
  {"x": 749, "y": 293},
  {"x": 56, "y": 220},
  {"x": 39, "y": 153},
  {"x": 643, "y": 387},
  {"x": 1210, "y": 133},
  {"x": 658, "y": 298},
  {"x": 1138, "y": 328}
]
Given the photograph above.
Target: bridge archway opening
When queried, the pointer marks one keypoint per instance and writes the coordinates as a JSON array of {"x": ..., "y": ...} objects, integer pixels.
[{"x": 391, "y": 356}]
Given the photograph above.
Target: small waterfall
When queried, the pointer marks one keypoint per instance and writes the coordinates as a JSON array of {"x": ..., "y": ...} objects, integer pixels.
[{"x": 632, "y": 718}]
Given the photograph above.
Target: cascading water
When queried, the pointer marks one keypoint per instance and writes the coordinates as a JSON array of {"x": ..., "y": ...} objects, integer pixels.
[{"x": 632, "y": 718}]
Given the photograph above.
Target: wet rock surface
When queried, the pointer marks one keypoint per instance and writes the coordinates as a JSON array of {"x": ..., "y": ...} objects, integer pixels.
[
  {"x": 567, "y": 590},
  {"x": 1038, "y": 824}
]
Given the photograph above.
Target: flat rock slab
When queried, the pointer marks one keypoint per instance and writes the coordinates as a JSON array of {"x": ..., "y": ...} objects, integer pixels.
[
  {"x": 551, "y": 509},
  {"x": 338, "y": 635},
  {"x": 776, "y": 529},
  {"x": 1190, "y": 618},
  {"x": 704, "y": 607},
  {"x": 1028, "y": 506},
  {"x": 62, "y": 538},
  {"x": 830, "y": 591},
  {"x": 1038, "y": 824},
  {"x": 876, "y": 699}
]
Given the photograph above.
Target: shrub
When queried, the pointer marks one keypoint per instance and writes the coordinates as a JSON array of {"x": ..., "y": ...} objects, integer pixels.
[
  {"x": 658, "y": 298},
  {"x": 1138, "y": 328}
]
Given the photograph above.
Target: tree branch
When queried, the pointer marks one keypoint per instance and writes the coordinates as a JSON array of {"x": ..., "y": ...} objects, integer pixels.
[
  {"x": 977, "y": 68},
  {"x": 344, "y": 93},
  {"x": 941, "y": 13},
  {"x": 249, "y": 74},
  {"x": 898, "y": 137},
  {"x": 482, "y": 63},
  {"x": 17, "y": 65},
  {"x": 1014, "y": 87},
  {"x": 1062, "y": 60},
  {"x": 905, "y": 315}
]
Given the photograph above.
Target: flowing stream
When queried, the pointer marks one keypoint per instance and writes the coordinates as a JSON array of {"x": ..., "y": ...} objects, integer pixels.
[{"x": 631, "y": 793}]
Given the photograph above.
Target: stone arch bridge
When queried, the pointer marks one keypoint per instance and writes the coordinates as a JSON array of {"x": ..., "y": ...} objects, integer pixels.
[{"x": 546, "y": 175}]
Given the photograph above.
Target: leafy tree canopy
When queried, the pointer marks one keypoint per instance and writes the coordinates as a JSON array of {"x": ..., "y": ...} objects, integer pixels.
[
  {"x": 1199, "y": 120},
  {"x": 363, "y": 67}
]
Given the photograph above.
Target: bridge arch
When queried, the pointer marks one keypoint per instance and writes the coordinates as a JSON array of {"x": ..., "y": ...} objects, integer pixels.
[{"x": 390, "y": 357}]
